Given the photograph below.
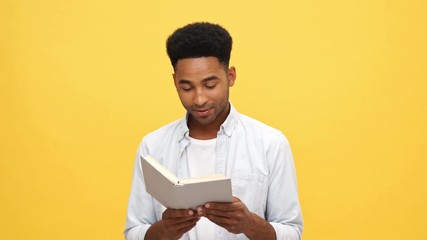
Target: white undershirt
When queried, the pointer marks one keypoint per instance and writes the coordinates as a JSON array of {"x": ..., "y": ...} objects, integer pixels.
[{"x": 201, "y": 157}]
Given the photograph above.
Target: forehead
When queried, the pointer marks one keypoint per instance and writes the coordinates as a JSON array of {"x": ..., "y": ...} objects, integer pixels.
[{"x": 199, "y": 66}]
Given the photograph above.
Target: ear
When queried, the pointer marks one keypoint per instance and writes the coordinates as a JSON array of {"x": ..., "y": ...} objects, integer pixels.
[
  {"x": 231, "y": 74},
  {"x": 173, "y": 78}
]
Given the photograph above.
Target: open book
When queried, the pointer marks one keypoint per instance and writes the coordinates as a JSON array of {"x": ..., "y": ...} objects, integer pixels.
[{"x": 176, "y": 193}]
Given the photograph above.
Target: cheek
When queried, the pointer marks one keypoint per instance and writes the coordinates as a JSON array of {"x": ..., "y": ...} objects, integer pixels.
[
  {"x": 220, "y": 94},
  {"x": 185, "y": 98}
]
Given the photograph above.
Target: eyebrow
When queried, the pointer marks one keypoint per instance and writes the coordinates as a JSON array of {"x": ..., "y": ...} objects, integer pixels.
[{"x": 184, "y": 81}]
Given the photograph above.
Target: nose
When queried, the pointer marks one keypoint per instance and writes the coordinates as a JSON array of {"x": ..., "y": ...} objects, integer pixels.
[{"x": 200, "y": 98}]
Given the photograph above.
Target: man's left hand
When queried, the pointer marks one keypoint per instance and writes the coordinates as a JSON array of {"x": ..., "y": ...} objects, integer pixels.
[{"x": 236, "y": 218}]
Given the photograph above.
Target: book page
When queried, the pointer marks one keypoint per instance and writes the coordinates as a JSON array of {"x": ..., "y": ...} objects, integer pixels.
[
  {"x": 202, "y": 179},
  {"x": 174, "y": 193},
  {"x": 170, "y": 176}
]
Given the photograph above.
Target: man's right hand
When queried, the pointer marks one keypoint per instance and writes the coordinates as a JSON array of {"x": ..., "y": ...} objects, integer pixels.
[{"x": 173, "y": 225}]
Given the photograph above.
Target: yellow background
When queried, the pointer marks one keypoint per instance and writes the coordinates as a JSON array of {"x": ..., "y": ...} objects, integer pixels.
[{"x": 82, "y": 81}]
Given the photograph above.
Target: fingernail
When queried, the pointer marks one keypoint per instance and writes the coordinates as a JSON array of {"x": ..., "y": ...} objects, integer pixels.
[{"x": 190, "y": 212}]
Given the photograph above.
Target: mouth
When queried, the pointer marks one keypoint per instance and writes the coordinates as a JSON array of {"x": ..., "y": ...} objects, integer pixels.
[{"x": 202, "y": 112}]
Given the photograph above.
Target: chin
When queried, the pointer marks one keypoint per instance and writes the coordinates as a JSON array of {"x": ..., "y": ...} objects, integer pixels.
[{"x": 204, "y": 121}]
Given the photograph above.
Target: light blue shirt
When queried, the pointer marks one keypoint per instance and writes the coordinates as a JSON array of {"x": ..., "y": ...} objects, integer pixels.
[{"x": 258, "y": 159}]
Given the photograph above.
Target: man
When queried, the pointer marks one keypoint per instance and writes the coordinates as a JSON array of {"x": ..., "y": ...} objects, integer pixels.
[{"x": 214, "y": 138}]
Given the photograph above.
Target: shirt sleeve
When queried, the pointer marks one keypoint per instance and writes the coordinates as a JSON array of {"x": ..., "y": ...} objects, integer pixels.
[
  {"x": 140, "y": 213},
  {"x": 283, "y": 207}
]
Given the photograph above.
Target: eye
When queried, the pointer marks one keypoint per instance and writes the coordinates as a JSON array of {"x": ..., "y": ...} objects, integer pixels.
[
  {"x": 212, "y": 86},
  {"x": 187, "y": 89}
]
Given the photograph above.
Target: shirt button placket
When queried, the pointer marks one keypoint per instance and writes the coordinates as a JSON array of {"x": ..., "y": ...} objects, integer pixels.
[{"x": 220, "y": 163}]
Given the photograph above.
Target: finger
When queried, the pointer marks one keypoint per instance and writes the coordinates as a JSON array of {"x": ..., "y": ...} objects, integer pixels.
[
  {"x": 177, "y": 213},
  {"x": 182, "y": 225},
  {"x": 226, "y": 207},
  {"x": 200, "y": 210},
  {"x": 220, "y": 206},
  {"x": 219, "y": 213},
  {"x": 229, "y": 224},
  {"x": 179, "y": 224},
  {"x": 219, "y": 218},
  {"x": 174, "y": 228},
  {"x": 176, "y": 223},
  {"x": 185, "y": 229}
]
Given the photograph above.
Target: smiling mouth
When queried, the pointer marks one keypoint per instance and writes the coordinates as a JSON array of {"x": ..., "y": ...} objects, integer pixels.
[{"x": 202, "y": 112}]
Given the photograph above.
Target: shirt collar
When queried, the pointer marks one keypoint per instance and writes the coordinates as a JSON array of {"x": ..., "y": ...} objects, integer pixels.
[
  {"x": 230, "y": 123},
  {"x": 227, "y": 127}
]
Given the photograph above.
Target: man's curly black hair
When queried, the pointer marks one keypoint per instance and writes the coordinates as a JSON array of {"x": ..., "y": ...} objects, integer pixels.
[{"x": 200, "y": 39}]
